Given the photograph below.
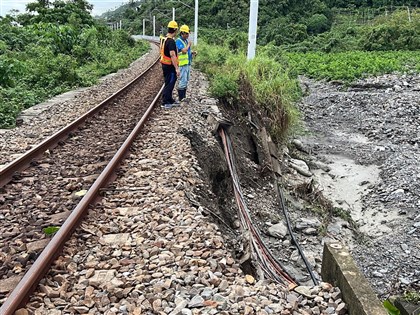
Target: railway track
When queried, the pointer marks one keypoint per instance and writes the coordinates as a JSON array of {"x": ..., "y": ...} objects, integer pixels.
[
  {"x": 144, "y": 247},
  {"x": 67, "y": 164}
]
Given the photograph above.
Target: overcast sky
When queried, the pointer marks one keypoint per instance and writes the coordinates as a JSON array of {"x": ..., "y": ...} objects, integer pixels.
[{"x": 99, "y": 7}]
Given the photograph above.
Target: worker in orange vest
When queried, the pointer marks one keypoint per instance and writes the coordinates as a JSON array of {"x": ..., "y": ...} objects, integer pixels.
[{"x": 170, "y": 67}]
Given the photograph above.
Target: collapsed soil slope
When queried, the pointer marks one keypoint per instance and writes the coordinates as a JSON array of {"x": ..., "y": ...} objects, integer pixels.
[{"x": 353, "y": 175}]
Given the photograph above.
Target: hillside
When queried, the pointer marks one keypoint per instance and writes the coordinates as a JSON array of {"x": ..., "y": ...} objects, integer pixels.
[{"x": 282, "y": 22}]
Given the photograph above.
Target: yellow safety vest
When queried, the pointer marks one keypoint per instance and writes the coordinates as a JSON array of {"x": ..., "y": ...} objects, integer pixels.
[{"x": 183, "y": 57}]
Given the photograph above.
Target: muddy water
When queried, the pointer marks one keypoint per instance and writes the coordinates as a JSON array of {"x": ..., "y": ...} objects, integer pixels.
[
  {"x": 368, "y": 137},
  {"x": 345, "y": 185}
]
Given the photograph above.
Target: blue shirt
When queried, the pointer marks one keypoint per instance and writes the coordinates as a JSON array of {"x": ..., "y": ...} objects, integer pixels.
[{"x": 181, "y": 44}]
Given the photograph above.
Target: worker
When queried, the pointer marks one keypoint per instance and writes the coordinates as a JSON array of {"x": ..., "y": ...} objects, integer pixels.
[
  {"x": 185, "y": 59},
  {"x": 170, "y": 68}
]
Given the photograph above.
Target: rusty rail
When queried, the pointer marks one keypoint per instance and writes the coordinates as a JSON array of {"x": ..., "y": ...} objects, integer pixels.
[
  {"x": 23, "y": 162},
  {"x": 30, "y": 280}
]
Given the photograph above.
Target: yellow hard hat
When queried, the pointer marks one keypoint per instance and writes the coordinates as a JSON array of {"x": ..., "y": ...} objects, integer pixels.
[
  {"x": 184, "y": 28},
  {"x": 173, "y": 24}
]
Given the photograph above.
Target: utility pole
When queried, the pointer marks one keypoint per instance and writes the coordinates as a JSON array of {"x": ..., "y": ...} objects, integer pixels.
[
  {"x": 173, "y": 14},
  {"x": 196, "y": 22},
  {"x": 252, "y": 32},
  {"x": 154, "y": 26},
  {"x": 144, "y": 25}
]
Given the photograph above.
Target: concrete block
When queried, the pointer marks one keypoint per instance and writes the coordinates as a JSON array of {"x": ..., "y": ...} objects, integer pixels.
[
  {"x": 407, "y": 308},
  {"x": 339, "y": 269}
]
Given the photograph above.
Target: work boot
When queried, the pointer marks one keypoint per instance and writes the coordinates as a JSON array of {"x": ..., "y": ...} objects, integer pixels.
[
  {"x": 181, "y": 94},
  {"x": 185, "y": 100}
]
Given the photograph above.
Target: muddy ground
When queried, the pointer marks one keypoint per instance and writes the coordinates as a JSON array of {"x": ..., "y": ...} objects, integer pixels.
[
  {"x": 368, "y": 134},
  {"x": 351, "y": 173}
]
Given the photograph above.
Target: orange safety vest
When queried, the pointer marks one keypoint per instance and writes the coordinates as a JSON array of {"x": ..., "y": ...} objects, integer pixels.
[{"x": 163, "y": 58}]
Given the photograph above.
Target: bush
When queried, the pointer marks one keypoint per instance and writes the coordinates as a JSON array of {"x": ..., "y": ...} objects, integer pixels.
[
  {"x": 318, "y": 23},
  {"x": 395, "y": 32},
  {"x": 225, "y": 86},
  {"x": 44, "y": 59},
  {"x": 274, "y": 91},
  {"x": 9, "y": 71}
]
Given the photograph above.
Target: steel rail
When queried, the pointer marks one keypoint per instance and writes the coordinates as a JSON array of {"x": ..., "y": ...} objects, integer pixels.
[
  {"x": 40, "y": 267},
  {"x": 6, "y": 173}
]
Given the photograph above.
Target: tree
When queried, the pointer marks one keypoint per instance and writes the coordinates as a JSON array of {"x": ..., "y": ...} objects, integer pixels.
[{"x": 75, "y": 12}]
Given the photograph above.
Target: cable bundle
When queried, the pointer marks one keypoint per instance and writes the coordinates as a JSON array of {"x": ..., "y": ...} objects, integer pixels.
[{"x": 266, "y": 261}]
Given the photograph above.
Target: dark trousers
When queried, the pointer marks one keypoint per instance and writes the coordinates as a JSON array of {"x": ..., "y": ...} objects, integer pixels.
[{"x": 169, "y": 74}]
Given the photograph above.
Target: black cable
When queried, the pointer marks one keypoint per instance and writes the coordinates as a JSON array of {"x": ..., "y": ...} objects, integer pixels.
[
  {"x": 260, "y": 247},
  {"x": 294, "y": 241}
]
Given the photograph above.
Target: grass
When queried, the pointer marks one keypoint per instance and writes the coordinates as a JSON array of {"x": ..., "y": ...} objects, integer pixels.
[
  {"x": 348, "y": 66},
  {"x": 261, "y": 85}
]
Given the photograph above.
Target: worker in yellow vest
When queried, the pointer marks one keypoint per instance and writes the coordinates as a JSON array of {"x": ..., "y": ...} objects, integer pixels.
[
  {"x": 185, "y": 58},
  {"x": 170, "y": 68}
]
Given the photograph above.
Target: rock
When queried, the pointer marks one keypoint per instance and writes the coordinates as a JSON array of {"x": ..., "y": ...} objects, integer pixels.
[
  {"x": 304, "y": 290},
  {"x": 249, "y": 279},
  {"x": 278, "y": 230},
  {"x": 310, "y": 231},
  {"x": 81, "y": 309},
  {"x": 196, "y": 301},
  {"x": 341, "y": 309},
  {"x": 50, "y": 292}
]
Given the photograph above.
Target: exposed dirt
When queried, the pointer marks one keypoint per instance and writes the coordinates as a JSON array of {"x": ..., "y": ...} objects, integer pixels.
[
  {"x": 258, "y": 186},
  {"x": 353, "y": 175}
]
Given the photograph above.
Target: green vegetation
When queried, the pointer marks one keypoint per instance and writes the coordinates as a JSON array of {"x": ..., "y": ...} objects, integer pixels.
[
  {"x": 392, "y": 310},
  {"x": 330, "y": 39},
  {"x": 383, "y": 33},
  {"x": 412, "y": 297},
  {"x": 263, "y": 84},
  {"x": 54, "y": 48},
  {"x": 323, "y": 39},
  {"x": 50, "y": 230},
  {"x": 348, "y": 66},
  {"x": 285, "y": 22},
  {"x": 347, "y": 53}
]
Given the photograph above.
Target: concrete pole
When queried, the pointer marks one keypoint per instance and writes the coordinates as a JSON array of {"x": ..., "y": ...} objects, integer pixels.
[
  {"x": 196, "y": 22},
  {"x": 252, "y": 32},
  {"x": 144, "y": 26},
  {"x": 173, "y": 14},
  {"x": 154, "y": 26}
]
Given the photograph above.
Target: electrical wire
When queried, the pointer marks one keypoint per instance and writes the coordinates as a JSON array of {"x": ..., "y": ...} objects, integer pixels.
[
  {"x": 294, "y": 241},
  {"x": 267, "y": 262}
]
